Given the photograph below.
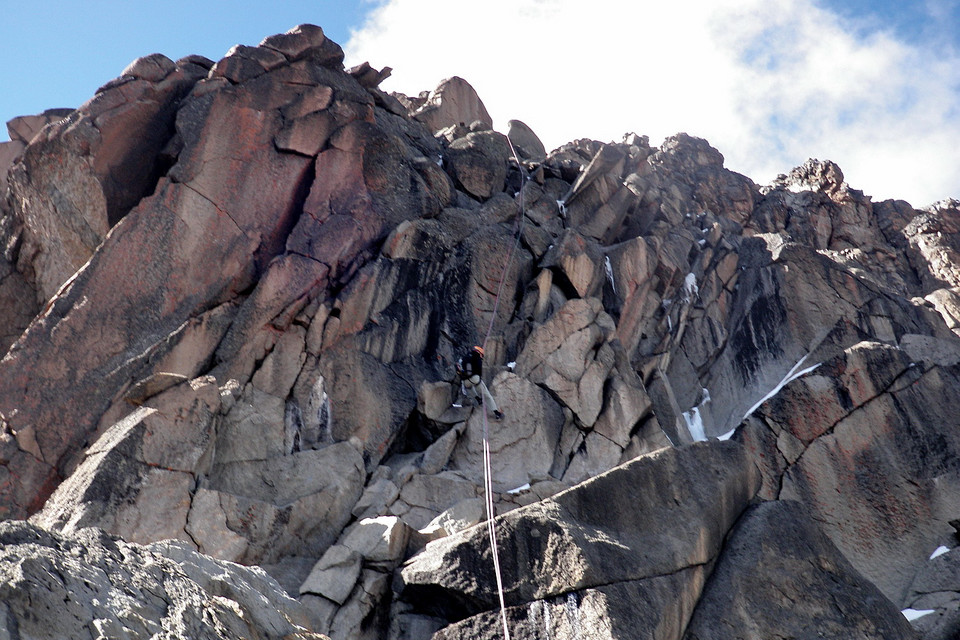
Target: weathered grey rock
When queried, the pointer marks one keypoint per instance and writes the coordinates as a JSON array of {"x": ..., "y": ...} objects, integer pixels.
[
  {"x": 592, "y": 536},
  {"x": 382, "y": 541},
  {"x": 935, "y": 595},
  {"x": 253, "y": 429},
  {"x": 478, "y": 163},
  {"x": 465, "y": 513},
  {"x": 817, "y": 593},
  {"x": 570, "y": 354},
  {"x": 423, "y": 498},
  {"x": 335, "y": 574},
  {"x": 137, "y": 480},
  {"x": 376, "y": 498},
  {"x": 290, "y": 505},
  {"x": 453, "y": 102},
  {"x": 522, "y": 444},
  {"x": 53, "y": 585},
  {"x": 619, "y": 610},
  {"x": 525, "y": 142},
  {"x": 359, "y": 618}
]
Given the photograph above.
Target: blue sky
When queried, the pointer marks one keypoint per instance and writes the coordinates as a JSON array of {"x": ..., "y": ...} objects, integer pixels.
[
  {"x": 56, "y": 53},
  {"x": 873, "y": 85}
]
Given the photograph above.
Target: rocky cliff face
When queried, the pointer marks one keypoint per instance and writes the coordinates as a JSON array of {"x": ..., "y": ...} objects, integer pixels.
[{"x": 231, "y": 297}]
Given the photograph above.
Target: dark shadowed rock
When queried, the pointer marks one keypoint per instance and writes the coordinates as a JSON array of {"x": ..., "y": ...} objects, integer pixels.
[
  {"x": 525, "y": 142},
  {"x": 817, "y": 592},
  {"x": 477, "y": 163}
]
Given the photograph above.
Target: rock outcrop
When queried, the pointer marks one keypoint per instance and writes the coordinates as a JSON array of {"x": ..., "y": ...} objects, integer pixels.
[
  {"x": 91, "y": 583},
  {"x": 232, "y": 295}
]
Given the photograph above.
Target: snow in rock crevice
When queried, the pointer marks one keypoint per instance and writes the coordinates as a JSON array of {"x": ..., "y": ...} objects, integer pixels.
[
  {"x": 690, "y": 288},
  {"x": 609, "y": 268},
  {"x": 794, "y": 373},
  {"x": 694, "y": 419},
  {"x": 939, "y": 551},
  {"x": 913, "y": 614}
]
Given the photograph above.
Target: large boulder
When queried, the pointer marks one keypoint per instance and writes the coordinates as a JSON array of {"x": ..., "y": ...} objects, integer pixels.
[
  {"x": 592, "y": 545},
  {"x": 137, "y": 479},
  {"x": 817, "y": 593},
  {"x": 453, "y": 102}
]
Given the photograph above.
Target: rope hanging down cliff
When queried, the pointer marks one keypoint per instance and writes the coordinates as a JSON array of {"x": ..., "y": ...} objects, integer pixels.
[{"x": 487, "y": 471}]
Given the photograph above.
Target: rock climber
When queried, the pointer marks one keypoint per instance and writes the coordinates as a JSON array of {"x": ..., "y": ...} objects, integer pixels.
[{"x": 470, "y": 373}]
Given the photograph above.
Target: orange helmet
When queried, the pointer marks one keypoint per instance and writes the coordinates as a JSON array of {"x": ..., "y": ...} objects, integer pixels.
[{"x": 479, "y": 350}]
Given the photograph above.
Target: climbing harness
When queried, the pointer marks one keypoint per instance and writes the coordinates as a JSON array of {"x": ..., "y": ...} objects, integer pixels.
[{"x": 487, "y": 470}]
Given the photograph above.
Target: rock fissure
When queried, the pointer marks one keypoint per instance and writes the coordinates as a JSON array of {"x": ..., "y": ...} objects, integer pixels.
[{"x": 832, "y": 427}]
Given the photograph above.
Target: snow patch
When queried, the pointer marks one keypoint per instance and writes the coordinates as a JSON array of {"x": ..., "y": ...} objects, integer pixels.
[
  {"x": 690, "y": 288},
  {"x": 562, "y": 206},
  {"x": 792, "y": 375},
  {"x": 512, "y": 365},
  {"x": 939, "y": 552},
  {"x": 520, "y": 489},
  {"x": 913, "y": 614},
  {"x": 609, "y": 268},
  {"x": 695, "y": 424},
  {"x": 694, "y": 419},
  {"x": 728, "y": 434}
]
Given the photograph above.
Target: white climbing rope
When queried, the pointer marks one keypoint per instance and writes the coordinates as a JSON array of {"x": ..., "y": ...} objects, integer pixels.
[
  {"x": 491, "y": 525},
  {"x": 487, "y": 469}
]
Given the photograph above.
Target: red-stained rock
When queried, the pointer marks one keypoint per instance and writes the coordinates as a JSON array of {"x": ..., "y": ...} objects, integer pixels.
[
  {"x": 367, "y": 76},
  {"x": 245, "y": 63},
  {"x": 296, "y": 42},
  {"x": 152, "y": 68},
  {"x": 81, "y": 175},
  {"x": 25, "y": 128},
  {"x": 193, "y": 245}
]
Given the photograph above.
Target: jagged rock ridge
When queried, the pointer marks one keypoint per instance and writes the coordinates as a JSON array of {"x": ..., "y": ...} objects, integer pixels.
[{"x": 234, "y": 291}]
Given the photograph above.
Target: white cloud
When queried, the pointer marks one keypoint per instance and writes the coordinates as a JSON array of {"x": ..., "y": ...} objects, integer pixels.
[{"x": 768, "y": 82}]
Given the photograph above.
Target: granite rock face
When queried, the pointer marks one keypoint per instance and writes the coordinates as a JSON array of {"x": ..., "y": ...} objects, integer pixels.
[{"x": 232, "y": 294}]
